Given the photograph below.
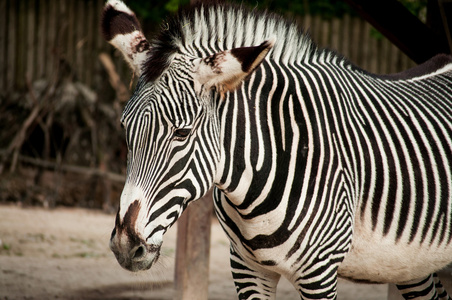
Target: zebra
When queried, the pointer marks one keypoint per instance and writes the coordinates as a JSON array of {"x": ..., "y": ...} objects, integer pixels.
[{"x": 320, "y": 169}]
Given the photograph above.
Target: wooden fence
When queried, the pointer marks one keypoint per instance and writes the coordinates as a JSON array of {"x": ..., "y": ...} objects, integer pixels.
[
  {"x": 52, "y": 40},
  {"x": 55, "y": 39},
  {"x": 359, "y": 42}
]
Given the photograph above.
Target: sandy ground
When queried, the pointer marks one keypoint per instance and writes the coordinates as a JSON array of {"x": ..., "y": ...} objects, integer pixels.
[{"x": 63, "y": 254}]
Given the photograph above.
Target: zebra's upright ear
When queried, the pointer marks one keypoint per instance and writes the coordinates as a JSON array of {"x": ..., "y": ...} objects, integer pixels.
[
  {"x": 227, "y": 69},
  {"x": 121, "y": 28}
]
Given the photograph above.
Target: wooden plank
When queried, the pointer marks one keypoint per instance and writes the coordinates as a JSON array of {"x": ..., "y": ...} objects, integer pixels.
[
  {"x": 354, "y": 40},
  {"x": 11, "y": 55},
  {"x": 21, "y": 46},
  {"x": 193, "y": 250},
  {"x": 89, "y": 47},
  {"x": 307, "y": 23},
  {"x": 393, "y": 57},
  {"x": 3, "y": 46},
  {"x": 31, "y": 36},
  {"x": 62, "y": 41},
  {"x": 315, "y": 29},
  {"x": 52, "y": 56},
  {"x": 42, "y": 40},
  {"x": 373, "y": 55},
  {"x": 70, "y": 48},
  {"x": 384, "y": 60},
  {"x": 324, "y": 32},
  {"x": 365, "y": 35},
  {"x": 80, "y": 39},
  {"x": 346, "y": 36},
  {"x": 100, "y": 45},
  {"x": 335, "y": 35}
]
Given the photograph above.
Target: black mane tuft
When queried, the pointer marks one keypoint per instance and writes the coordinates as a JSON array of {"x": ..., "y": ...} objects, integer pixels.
[{"x": 162, "y": 47}]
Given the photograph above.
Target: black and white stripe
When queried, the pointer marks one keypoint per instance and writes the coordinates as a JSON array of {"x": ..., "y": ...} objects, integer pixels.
[{"x": 318, "y": 164}]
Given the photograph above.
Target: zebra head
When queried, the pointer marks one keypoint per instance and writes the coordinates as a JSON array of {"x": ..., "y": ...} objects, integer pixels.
[{"x": 172, "y": 129}]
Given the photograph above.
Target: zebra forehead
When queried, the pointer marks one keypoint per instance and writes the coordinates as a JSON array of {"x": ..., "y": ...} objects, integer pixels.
[{"x": 143, "y": 102}]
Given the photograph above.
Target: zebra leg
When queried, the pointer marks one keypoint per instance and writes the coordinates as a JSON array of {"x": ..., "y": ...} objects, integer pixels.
[
  {"x": 320, "y": 284},
  {"x": 251, "y": 280},
  {"x": 442, "y": 293},
  {"x": 429, "y": 288}
]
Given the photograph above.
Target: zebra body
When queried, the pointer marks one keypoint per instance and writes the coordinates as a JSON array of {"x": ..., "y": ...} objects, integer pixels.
[
  {"x": 320, "y": 168},
  {"x": 392, "y": 251}
]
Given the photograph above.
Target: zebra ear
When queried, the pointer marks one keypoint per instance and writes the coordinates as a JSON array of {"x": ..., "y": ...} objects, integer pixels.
[
  {"x": 227, "y": 69},
  {"x": 120, "y": 27}
]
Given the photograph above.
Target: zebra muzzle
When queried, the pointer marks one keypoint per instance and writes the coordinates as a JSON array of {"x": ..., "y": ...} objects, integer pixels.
[{"x": 134, "y": 254}]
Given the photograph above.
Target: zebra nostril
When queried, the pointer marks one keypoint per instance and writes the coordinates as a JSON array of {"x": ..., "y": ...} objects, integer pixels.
[{"x": 139, "y": 252}]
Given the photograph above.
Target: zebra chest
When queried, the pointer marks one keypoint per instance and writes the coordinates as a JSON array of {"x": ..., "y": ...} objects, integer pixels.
[{"x": 279, "y": 238}]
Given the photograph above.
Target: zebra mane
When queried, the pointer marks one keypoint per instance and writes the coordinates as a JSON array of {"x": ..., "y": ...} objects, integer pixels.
[{"x": 202, "y": 30}]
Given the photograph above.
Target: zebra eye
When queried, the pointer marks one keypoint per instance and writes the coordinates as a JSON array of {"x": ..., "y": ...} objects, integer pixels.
[{"x": 181, "y": 134}]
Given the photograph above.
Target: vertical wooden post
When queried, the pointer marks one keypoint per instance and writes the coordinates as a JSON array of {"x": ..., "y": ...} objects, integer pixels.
[{"x": 193, "y": 250}]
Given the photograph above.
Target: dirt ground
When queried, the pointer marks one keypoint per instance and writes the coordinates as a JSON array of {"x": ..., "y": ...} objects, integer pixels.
[{"x": 63, "y": 254}]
